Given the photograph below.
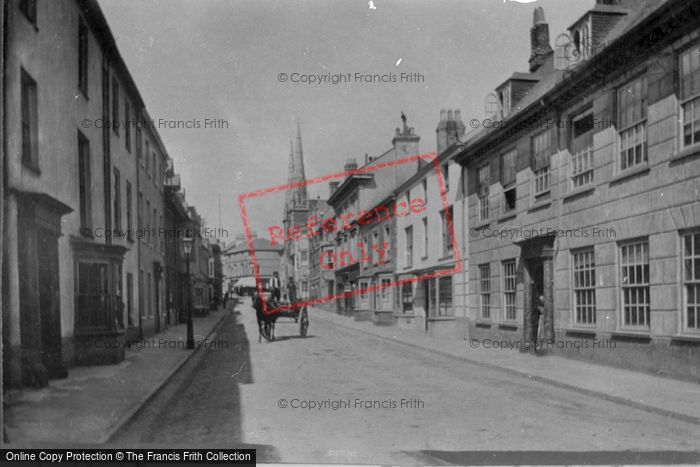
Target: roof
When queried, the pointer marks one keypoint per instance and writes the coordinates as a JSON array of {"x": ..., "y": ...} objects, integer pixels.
[
  {"x": 553, "y": 79},
  {"x": 259, "y": 244}
]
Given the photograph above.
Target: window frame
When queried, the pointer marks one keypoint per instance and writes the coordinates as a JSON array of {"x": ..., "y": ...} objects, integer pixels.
[
  {"x": 482, "y": 191},
  {"x": 447, "y": 243},
  {"x": 510, "y": 293},
  {"x": 445, "y": 172},
  {"x": 29, "y": 10},
  {"x": 83, "y": 57},
  {"x": 509, "y": 186},
  {"x": 542, "y": 176},
  {"x": 580, "y": 309},
  {"x": 408, "y": 238},
  {"x": 685, "y": 282},
  {"x": 442, "y": 298},
  {"x": 424, "y": 222},
  {"x": 129, "y": 211},
  {"x": 127, "y": 124},
  {"x": 633, "y": 127},
  {"x": 117, "y": 201},
  {"x": 692, "y": 99},
  {"x": 485, "y": 291},
  {"x": 639, "y": 286},
  {"x": 582, "y": 157},
  {"x": 84, "y": 185},
  {"x": 115, "y": 105},
  {"x": 29, "y": 121}
]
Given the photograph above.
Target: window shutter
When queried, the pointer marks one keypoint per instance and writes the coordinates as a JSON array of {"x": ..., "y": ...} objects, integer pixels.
[
  {"x": 541, "y": 150},
  {"x": 508, "y": 168}
]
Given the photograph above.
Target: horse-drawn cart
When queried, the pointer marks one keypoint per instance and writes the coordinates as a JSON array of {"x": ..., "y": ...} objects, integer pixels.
[{"x": 274, "y": 311}]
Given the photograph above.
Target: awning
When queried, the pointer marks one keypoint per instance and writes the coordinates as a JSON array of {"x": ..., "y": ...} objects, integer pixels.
[{"x": 246, "y": 282}]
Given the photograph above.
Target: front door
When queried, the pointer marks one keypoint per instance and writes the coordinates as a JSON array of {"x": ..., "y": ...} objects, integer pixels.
[
  {"x": 536, "y": 273},
  {"x": 50, "y": 304}
]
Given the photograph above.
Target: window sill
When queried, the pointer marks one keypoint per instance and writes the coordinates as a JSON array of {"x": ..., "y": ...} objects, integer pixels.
[
  {"x": 508, "y": 216},
  {"x": 482, "y": 224},
  {"x": 443, "y": 258},
  {"x": 629, "y": 173},
  {"x": 581, "y": 332},
  {"x": 508, "y": 326},
  {"x": 441, "y": 318},
  {"x": 483, "y": 324},
  {"x": 538, "y": 205},
  {"x": 689, "y": 151},
  {"x": 640, "y": 336},
  {"x": 423, "y": 258},
  {"x": 33, "y": 168},
  {"x": 580, "y": 191},
  {"x": 686, "y": 338}
]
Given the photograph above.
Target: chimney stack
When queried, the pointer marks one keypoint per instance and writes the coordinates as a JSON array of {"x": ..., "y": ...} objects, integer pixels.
[
  {"x": 449, "y": 130},
  {"x": 539, "y": 40}
]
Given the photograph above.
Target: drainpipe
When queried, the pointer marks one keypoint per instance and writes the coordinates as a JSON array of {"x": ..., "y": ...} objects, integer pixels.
[{"x": 3, "y": 149}]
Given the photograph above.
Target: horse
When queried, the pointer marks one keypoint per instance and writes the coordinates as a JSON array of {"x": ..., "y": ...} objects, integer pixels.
[{"x": 266, "y": 323}]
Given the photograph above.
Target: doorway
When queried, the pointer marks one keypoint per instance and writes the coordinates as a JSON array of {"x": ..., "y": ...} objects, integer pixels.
[
  {"x": 50, "y": 304},
  {"x": 536, "y": 288}
]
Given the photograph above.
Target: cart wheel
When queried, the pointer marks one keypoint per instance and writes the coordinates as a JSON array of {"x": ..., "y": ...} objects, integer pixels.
[{"x": 303, "y": 323}]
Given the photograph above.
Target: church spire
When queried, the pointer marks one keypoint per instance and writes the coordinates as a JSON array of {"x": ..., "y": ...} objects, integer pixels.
[{"x": 297, "y": 172}]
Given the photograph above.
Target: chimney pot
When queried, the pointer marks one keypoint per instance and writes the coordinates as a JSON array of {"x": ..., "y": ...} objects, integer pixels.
[
  {"x": 450, "y": 116},
  {"x": 458, "y": 117},
  {"x": 538, "y": 16}
]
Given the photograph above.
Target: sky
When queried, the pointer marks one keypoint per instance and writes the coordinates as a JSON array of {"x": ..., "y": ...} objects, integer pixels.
[{"x": 219, "y": 62}]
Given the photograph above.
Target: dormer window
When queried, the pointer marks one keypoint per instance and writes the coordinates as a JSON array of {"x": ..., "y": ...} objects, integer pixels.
[
  {"x": 581, "y": 43},
  {"x": 577, "y": 44},
  {"x": 504, "y": 101}
]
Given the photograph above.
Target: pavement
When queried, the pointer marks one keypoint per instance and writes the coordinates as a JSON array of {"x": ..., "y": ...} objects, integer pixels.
[
  {"x": 93, "y": 402},
  {"x": 343, "y": 358},
  {"x": 665, "y": 396}
]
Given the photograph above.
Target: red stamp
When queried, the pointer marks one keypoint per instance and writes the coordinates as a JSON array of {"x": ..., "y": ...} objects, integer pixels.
[{"x": 358, "y": 252}]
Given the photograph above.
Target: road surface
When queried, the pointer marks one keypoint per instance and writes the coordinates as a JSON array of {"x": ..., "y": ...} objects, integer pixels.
[{"x": 343, "y": 396}]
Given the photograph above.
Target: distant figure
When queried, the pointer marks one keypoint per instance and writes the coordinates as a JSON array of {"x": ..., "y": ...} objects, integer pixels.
[
  {"x": 225, "y": 299},
  {"x": 275, "y": 287},
  {"x": 538, "y": 321},
  {"x": 292, "y": 292}
]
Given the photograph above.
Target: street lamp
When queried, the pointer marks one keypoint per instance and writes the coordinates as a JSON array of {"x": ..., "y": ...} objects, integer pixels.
[{"x": 187, "y": 246}]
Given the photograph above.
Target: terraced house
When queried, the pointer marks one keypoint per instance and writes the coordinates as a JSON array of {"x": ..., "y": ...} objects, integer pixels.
[
  {"x": 430, "y": 243},
  {"x": 364, "y": 256},
  {"x": 77, "y": 274},
  {"x": 587, "y": 193}
]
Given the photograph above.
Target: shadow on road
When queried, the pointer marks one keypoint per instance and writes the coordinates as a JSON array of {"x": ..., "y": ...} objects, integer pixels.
[{"x": 201, "y": 406}]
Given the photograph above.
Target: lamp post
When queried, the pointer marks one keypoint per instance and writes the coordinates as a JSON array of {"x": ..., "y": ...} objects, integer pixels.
[{"x": 187, "y": 246}]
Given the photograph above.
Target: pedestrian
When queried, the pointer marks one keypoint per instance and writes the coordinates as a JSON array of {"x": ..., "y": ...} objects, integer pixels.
[
  {"x": 292, "y": 292},
  {"x": 539, "y": 321},
  {"x": 275, "y": 287},
  {"x": 225, "y": 299}
]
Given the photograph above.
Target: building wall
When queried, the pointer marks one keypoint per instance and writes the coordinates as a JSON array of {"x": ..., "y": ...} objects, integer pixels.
[
  {"x": 151, "y": 244},
  {"x": 656, "y": 201},
  {"x": 48, "y": 53},
  {"x": 426, "y": 262}
]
